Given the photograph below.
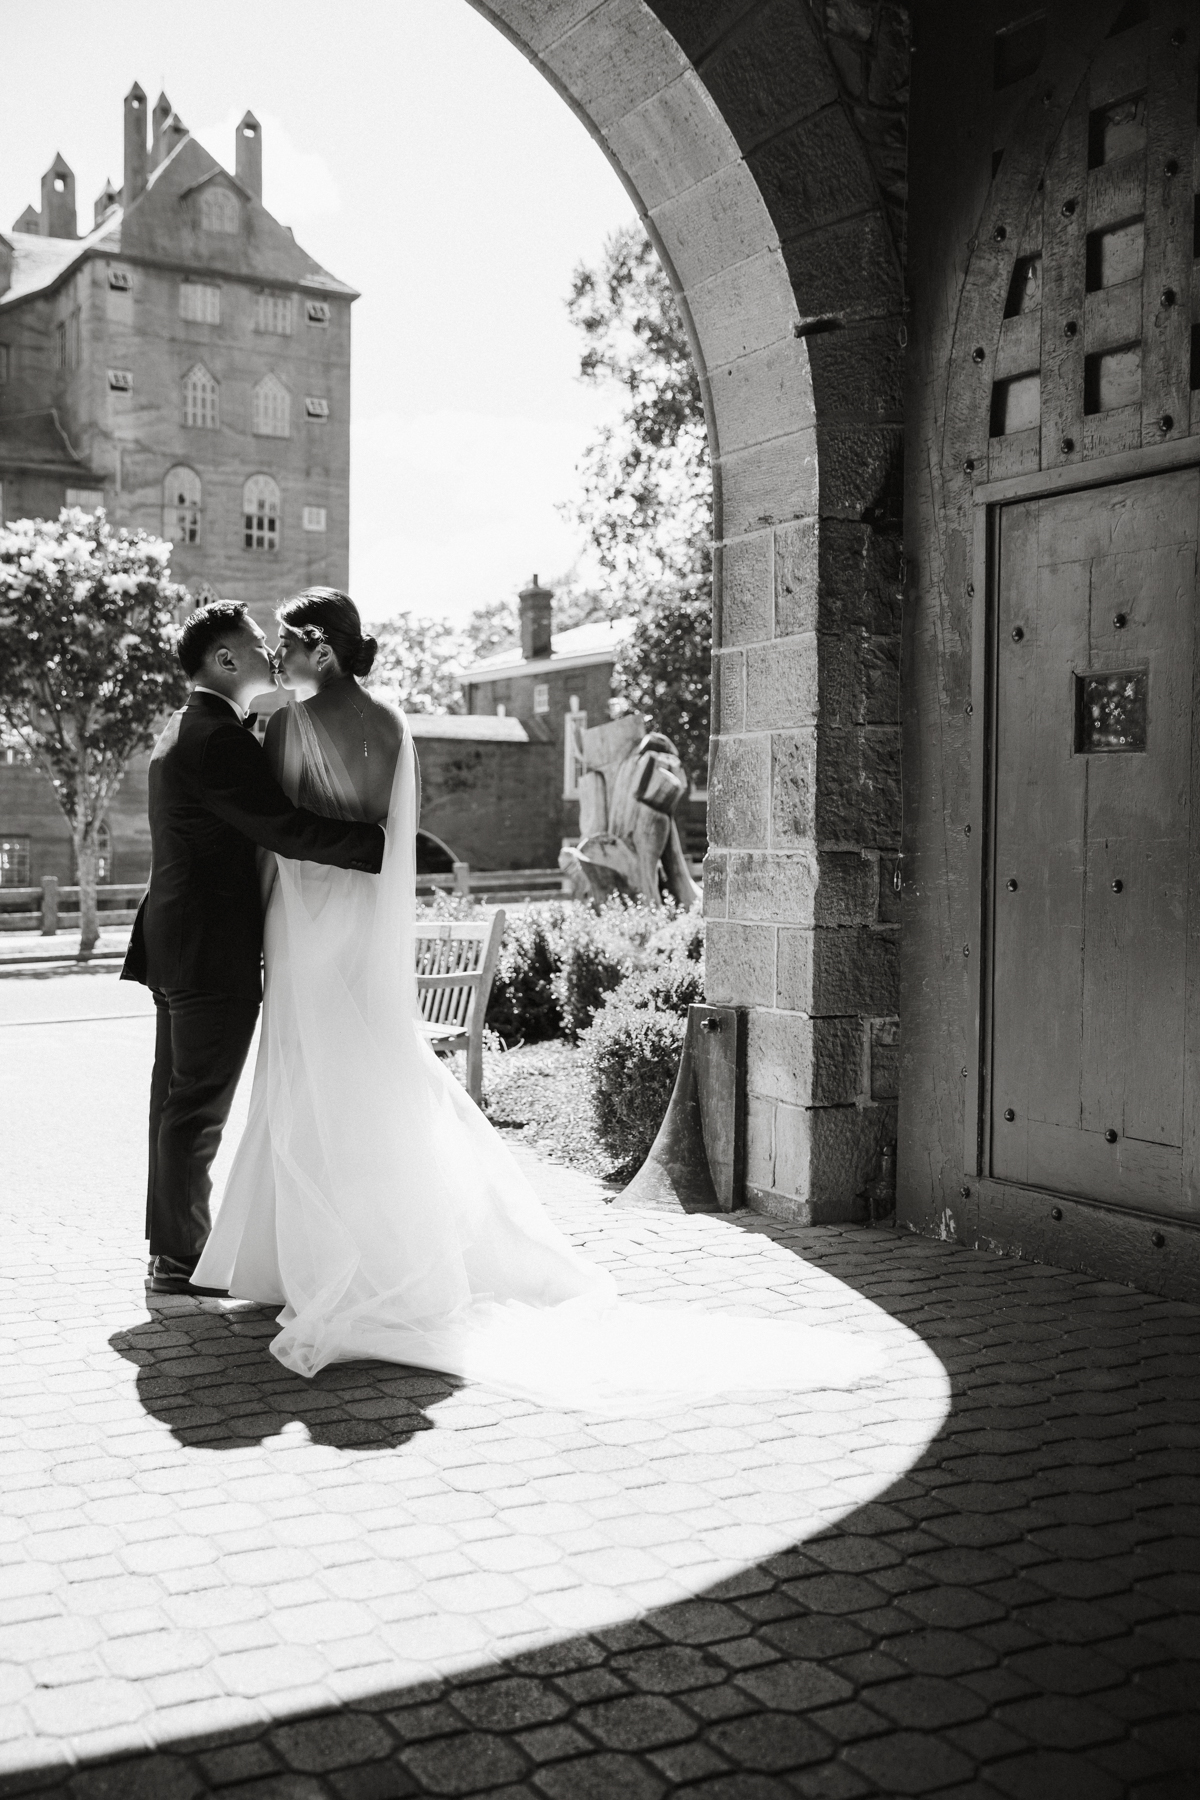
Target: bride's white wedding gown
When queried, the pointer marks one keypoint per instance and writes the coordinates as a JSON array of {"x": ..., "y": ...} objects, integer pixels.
[{"x": 372, "y": 1201}]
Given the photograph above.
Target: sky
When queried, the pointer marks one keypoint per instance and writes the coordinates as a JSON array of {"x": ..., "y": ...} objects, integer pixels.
[{"x": 418, "y": 156}]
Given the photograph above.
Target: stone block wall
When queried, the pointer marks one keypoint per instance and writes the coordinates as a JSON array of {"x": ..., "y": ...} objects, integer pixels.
[
  {"x": 804, "y": 784},
  {"x": 763, "y": 143},
  {"x": 804, "y": 800}
]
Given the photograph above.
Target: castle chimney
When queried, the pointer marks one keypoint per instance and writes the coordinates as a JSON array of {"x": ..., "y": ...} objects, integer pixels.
[
  {"x": 158, "y": 121},
  {"x": 248, "y": 160},
  {"x": 135, "y": 146},
  {"x": 536, "y": 604},
  {"x": 175, "y": 133},
  {"x": 58, "y": 201},
  {"x": 106, "y": 199}
]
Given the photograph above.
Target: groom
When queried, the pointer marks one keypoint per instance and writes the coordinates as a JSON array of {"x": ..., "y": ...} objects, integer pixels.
[{"x": 197, "y": 938}]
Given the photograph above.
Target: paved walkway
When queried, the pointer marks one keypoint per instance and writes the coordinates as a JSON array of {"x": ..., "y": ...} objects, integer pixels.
[{"x": 975, "y": 1578}]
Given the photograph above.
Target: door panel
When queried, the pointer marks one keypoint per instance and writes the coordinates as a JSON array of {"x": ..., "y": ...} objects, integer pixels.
[{"x": 1092, "y": 751}]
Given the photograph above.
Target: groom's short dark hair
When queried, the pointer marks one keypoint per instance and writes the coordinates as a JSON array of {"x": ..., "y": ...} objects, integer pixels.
[{"x": 205, "y": 628}]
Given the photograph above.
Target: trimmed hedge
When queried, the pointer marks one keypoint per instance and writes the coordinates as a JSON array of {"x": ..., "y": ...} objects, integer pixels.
[
  {"x": 632, "y": 1056},
  {"x": 559, "y": 963},
  {"x": 522, "y": 1007}
]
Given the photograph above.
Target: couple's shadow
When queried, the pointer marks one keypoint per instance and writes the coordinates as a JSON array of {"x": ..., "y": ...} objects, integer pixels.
[{"x": 205, "y": 1370}]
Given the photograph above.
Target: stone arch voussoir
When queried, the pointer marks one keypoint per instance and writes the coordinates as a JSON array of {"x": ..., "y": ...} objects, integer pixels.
[{"x": 756, "y": 147}]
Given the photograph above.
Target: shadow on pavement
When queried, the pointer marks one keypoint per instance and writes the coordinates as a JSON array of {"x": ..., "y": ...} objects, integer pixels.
[
  {"x": 209, "y": 1376},
  {"x": 1015, "y": 1617}
]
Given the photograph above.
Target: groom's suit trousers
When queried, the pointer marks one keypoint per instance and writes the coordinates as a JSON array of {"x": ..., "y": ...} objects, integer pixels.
[{"x": 199, "y": 1051}]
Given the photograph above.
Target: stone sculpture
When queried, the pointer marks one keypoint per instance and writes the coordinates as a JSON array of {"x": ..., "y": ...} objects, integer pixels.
[{"x": 629, "y": 842}]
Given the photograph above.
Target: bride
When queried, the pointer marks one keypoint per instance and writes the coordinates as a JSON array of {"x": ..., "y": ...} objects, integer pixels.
[{"x": 369, "y": 1198}]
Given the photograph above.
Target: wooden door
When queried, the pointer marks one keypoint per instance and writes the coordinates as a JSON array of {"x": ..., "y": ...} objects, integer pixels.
[{"x": 1095, "y": 598}]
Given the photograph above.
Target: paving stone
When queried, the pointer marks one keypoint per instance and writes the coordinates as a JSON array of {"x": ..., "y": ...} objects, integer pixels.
[
  {"x": 461, "y": 1765},
  {"x": 374, "y": 1781},
  {"x": 904, "y": 1762},
  {"x": 795, "y": 1686},
  {"x": 382, "y": 1584},
  {"x": 637, "y": 1722},
  {"x": 237, "y": 1762},
  {"x": 1042, "y": 1773},
  {"x": 927, "y": 1703},
  {"x": 317, "y": 1745},
  {"x": 1060, "y": 1722},
  {"x": 770, "y": 1741},
  {"x": 603, "y": 1777},
  {"x": 666, "y": 1669}
]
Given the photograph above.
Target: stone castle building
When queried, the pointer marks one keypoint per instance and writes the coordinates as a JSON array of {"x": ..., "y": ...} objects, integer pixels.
[{"x": 186, "y": 365}]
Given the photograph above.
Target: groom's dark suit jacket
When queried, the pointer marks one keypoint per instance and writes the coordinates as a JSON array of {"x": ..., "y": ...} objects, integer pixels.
[{"x": 212, "y": 799}]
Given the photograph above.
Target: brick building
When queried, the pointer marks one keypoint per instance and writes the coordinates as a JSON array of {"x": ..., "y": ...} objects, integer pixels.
[
  {"x": 556, "y": 684},
  {"x": 187, "y": 366}
]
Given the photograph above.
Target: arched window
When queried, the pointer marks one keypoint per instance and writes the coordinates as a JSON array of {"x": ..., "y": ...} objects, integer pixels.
[
  {"x": 272, "y": 411},
  {"x": 181, "y": 505},
  {"x": 219, "y": 210},
  {"x": 260, "y": 505},
  {"x": 200, "y": 393}
]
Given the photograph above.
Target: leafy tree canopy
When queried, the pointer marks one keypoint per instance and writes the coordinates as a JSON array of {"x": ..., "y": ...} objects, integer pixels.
[
  {"x": 662, "y": 671},
  {"x": 418, "y": 663},
  {"x": 87, "y": 662},
  {"x": 646, "y": 500}
]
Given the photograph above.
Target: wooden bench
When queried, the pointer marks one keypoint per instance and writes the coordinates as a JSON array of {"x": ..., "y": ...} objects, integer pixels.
[{"x": 455, "y": 965}]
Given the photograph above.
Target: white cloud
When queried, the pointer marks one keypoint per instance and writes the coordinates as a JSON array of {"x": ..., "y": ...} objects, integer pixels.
[
  {"x": 298, "y": 184},
  {"x": 455, "y": 508}
]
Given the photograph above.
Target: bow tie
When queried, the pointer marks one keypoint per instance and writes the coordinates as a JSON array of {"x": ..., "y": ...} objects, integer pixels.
[{"x": 250, "y": 721}]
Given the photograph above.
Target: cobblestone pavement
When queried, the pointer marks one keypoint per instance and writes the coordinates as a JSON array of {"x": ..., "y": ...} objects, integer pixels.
[{"x": 976, "y": 1578}]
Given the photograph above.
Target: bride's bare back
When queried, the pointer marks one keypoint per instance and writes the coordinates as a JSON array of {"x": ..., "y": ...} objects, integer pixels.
[{"x": 364, "y": 735}]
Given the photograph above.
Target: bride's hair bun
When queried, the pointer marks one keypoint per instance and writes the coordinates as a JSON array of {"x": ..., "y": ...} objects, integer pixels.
[
  {"x": 335, "y": 617},
  {"x": 361, "y": 662}
]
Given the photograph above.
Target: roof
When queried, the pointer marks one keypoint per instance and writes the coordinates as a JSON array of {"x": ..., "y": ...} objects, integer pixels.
[
  {"x": 479, "y": 728},
  {"x": 38, "y": 262},
  {"x": 595, "y": 642},
  {"x": 36, "y": 440}
]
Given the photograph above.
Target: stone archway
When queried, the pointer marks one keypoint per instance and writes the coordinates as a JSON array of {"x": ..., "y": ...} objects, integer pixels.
[{"x": 764, "y": 154}]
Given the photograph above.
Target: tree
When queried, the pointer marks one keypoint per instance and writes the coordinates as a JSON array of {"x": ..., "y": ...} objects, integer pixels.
[
  {"x": 419, "y": 663},
  {"x": 87, "y": 664},
  {"x": 646, "y": 501},
  {"x": 493, "y": 628},
  {"x": 662, "y": 670}
]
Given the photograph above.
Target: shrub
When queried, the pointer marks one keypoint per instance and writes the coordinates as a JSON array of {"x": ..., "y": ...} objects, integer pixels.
[
  {"x": 442, "y": 904},
  {"x": 681, "y": 934},
  {"x": 671, "y": 985},
  {"x": 596, "y": 958},
  {"x": 522, "y": 1007},
  {"x": 632, "y": 1054}
]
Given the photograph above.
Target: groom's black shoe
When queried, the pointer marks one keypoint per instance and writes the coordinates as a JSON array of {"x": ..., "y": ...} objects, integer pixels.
[{"x": 166, "y": 1276}]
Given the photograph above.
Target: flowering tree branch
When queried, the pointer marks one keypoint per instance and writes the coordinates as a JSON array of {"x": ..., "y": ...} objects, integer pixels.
[{"x": 87, "y": 663}]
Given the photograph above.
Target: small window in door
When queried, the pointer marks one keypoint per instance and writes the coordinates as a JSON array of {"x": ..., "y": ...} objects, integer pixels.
[
  {"x": 1112, "y": 378},
  {"x": 1111, "y": 711},
  {"x": 1025, "y": 288},
  {"x": 1115, "y": 255},
  {"x": 1116, "y": 130},
  {"x": 1016, "y": 405}
]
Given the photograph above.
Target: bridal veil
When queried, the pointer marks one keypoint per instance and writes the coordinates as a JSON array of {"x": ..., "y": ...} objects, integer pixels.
[{"x": 376, "y": 1205}]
